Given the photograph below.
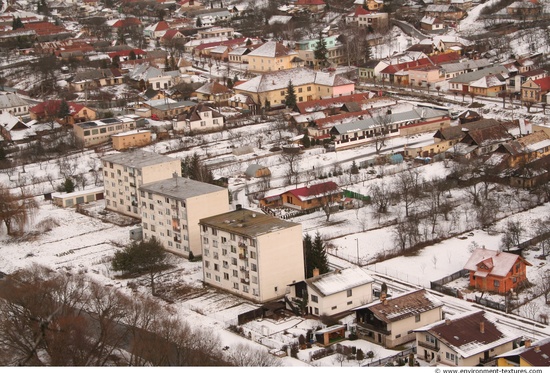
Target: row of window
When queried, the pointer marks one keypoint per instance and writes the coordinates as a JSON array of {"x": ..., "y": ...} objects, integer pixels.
[{"x": 245, "y": 288}]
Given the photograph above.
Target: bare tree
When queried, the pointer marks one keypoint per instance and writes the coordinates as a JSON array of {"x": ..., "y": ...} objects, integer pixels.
[
  {"x": 512, "y": 235},
  {"x": 292, "y": 161},
  {"x": 383, "y": 125},
  {"x": 409, "y": 187},
  {"x": 381, "y": 195},
  {"x": 16, "y": 212},
  {"x": 242, "y": 355},
  {"x": 327, "y": 195}
]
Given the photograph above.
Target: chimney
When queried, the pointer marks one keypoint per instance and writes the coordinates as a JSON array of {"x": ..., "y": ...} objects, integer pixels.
[
  {"x": 482, "y": 327},
  {"x": 527, "y": 343},
  {"x": 239, "y": 207},
  {"x": 537, "y": 348},
  {"x": 385, "y": 302},
  {"x": 447, "y": 322},
  {"x": 315, "y": 272}
]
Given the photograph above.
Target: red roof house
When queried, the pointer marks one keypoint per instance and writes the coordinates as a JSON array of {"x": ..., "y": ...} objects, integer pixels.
[
  {"x": 49, "y": 110},
  {"x": 492, "y": 270}
]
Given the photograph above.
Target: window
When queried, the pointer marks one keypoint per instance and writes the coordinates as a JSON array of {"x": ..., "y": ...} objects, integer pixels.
[
  {"x": 350, "y": 302},
  {"x": 218, "y": 279},
  {"x": 235, "y": 285},
  {"x": 417, "y": 318},
  {"x": 235, "y": 273},
  {"x": 233, "y": 249},
  {"x": 224, "y": 240},
  {"x": 216, "y": 267},
  {"x": 215, "y": 243},
  {"x": 226, "y": 276},
  {"x": 214, "y": 232},
  {"x": 496, "y": 283},
  {"x": 234, "y": 261},
  {"x": 314, "y": 298},
  {"x": 252, "y": 255},
  {"x": 334, "y": 307},
  {"x": 349, "y": 293},
  {"x": 205, "y": 240},
  {"x": 153, "y": 228},
  {"x": 253, "y": 267},
  {"x": 316, "y": 310}
]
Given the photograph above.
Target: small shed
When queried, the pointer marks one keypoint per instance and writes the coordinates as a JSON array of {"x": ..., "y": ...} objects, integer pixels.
[
  {"x": 330, "y": 335},
  {"x": 255, "y": 170},
  {"x": 78, "y": 197}
]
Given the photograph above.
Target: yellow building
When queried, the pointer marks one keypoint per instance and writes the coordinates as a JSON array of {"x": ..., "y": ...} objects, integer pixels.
[
  {"x": 271, "y": 56},
  {"x": 269, "y": 90},
  {"x": 131, "y": 139}
]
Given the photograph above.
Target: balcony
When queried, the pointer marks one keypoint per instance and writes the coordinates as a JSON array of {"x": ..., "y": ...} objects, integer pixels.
[
  {"x": 428, "y": 346},
  {"x": 243, "y": 256},
  {"x": 369, "y": 327},
  {"x": 245, "y": 280}
]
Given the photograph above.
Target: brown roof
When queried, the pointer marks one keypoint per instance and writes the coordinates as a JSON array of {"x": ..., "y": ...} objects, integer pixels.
[
  {"x": 469, "y": 333},
  {"x": 404, "y": 306},
  {"x": 193, "y": 114},
  {"x": 457, "y": 132},
  {"x": 538, "y": 355},
  {"x": 309, "y": 106}
]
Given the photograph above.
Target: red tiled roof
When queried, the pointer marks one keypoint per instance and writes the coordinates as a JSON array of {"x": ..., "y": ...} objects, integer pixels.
[
  {"x": 125, "y": 53},
  {"x": 315, "y": 190},
  {"x": 543, "y": 83},
  {"x": 422, "y": 62},
  {"x": 44, "y": 28},
  {"x": 360, "y": 10},
  {"x": 169, "y": 35},
  {"x": 52, "y": 106},
  {"x": 161, "y": 26}
]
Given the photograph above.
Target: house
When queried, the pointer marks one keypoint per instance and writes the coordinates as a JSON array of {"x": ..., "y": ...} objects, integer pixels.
[
  {"x": 167, "y": 109},
  {"x": 369, "y": 129},
  {"x": 531, "y": 354},
  {"x": 445, "y": 12},
  {"x": 49, "y": 110},
  {"x": 451, "y": 70},
  {"x": 172, "y": 208},
  {"x": 100, "y": 131},
  {"x": 271, "y": 56},
  {"x": 172, "y": 38},
  {"x": 131, "y": 139},
  {"x": 250, "y": 254},
  {"x": 534, "y": 90},
  {"x": 489, "y": 85},
  {"x": 461, "y": 83},
  {"x": 524, "y": 9},
  {"x": 215, "y": 32},
  {"x": 199, "y": 118},
  {"x": 398, "y": 72},
  {"x": 124, "y": 173},
  {"x": 525, "y": 149},
  {"x": 312, "y": 197},
  {"x": 335, "y": 105},
  {"x": 428, "y": 23},
  {"x": 485, "y": 139},
  {"x": 463, "y": 340},
  {"x": 156, "y": 30},
  {"x": 390, "y": 321},
  {"x": 492, "y": 270},
  {"x": 214, "y": 92},
  {"x": 96, "y": 78},
  {"x": 151, "y": 77},
  {"x": 10, "y": 124},
  {"x": 366, "y": 18},
  {"x": 331, "y": 293},
  {"x": 269, "y": 89},
  {"x": 532, "y": 174},
  {"x": 12, "y": 103},
  {"x": 306, "y": 51}
]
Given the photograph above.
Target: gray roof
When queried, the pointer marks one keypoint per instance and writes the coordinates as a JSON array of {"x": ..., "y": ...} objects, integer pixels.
[
  {"x": 247, "y": 223},
  {"x": 9, "y": 100},
  {"x": 466, "y": 65},
  {"x": 476, "y": 75},
  {"x": 180, "y": 188},
  {"x": 137, "y": 159}
]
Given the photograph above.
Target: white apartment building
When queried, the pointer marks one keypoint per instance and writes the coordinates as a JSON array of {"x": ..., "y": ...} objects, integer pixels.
[
  {"x": 124, "y": 173},
  {"x": 171, "y": 210},
  {"x": 252, "y": 255}
]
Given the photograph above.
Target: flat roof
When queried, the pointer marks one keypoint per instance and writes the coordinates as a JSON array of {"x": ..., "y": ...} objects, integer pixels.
[
  {"x": 180, "y": 188},
  {"x": 138, "y": 158},
  {"x": 131, "y": 132},
  {"x": 247, "y": 223}
]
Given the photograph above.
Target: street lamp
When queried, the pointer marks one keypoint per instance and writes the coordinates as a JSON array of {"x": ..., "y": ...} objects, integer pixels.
[{"x": 357, "y": 244}]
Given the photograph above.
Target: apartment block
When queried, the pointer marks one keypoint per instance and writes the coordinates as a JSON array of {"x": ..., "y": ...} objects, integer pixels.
[
  {"x": 171, "y": 210},
  {"x": 250, "y": 254},
  {"x": 124, "y": 173}
]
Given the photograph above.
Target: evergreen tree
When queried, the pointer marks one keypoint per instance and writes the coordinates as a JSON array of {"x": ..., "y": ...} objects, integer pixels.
[
  {"x": 17, "y": 23},
  {"x": 290, "y": 99},
  {"x": 138, "y": 257},
  {"x": 173, "y": 66},
  {"x": 199, "y": 22},
  {"x": 64, "y": 110},
  {"x": 321, "y": 52},
  {"x": 308, "y": 249},
  {"x": 319, "y": 257},
  {"x": 2, "y": 151},
  {"x": 116, "y": 61},
  {"x": 132, "y": 55},
  {"x": 305, "y": 141},
  {"x": 248, "y": 42},
  {"x": 192, "y": 167},
  {"x": 315, "y": 255},
  {"x": 68, "y": 185},
  {"x": 166, "y": 64}
]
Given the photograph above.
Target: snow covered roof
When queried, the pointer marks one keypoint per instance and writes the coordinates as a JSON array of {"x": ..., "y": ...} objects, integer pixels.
[
  {"x": 180, "y": 188},
  {"x": 9, "y": 100},
  {"x": 470, "y": 334},
  {"x": 488, "y": 82},
  {"x": 339, "y": 280},
  {"x": 403, "y": 306},
  {"x": 537, "y": 354},
  {"x": 279, "y": 19},
  {"x": 271, "y": 49},
  {"x": 278, "y": 80},
  {"x": 137, "y": 159},
  {"x": 315, "y": 191},
  {"x": 484, "y": 262}
]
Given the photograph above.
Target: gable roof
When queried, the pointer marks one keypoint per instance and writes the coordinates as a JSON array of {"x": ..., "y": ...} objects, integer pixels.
[
  {"x": 193, "y": 114},
  {"x": 537, "y": 354},
  {"x": 326, "y": 103},
  {"x": 271, "y": 49},
  {"x": 469, "y": 334},
  {"x": 52, "y": 107},
  {"x": 212, "y": 88},
  {"x": 315, "y": 191},
  {"x": 403, "y": 306},
  {"x": 484, "y": 262},
  {"x": 339, "y": 280},
  {"x": 543, "y": 83}
]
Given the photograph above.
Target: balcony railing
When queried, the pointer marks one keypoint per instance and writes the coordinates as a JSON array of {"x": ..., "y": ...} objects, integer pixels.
[{"x": 428, "y": 346}]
